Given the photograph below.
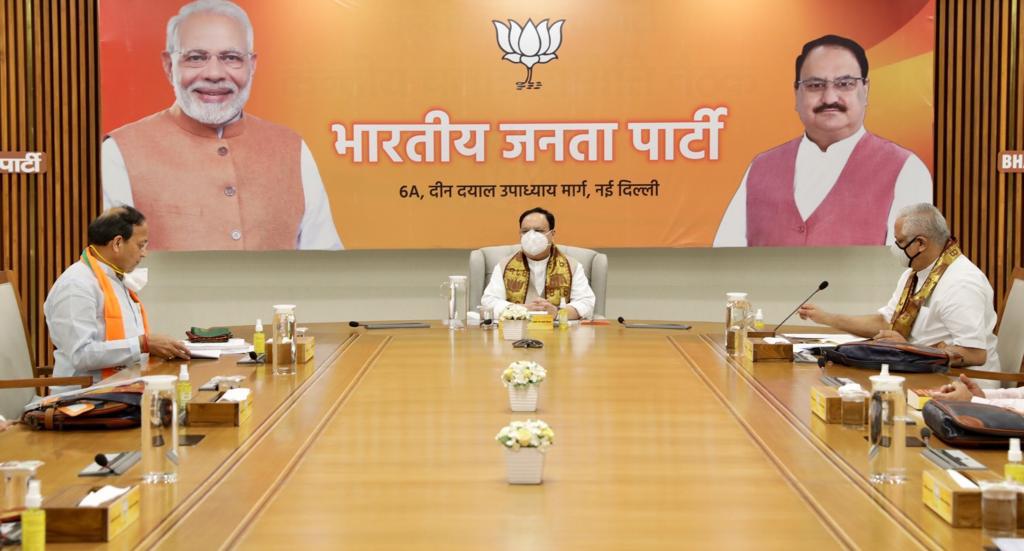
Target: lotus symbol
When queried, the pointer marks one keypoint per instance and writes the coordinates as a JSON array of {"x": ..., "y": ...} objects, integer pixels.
[{"x": 529, "y": 44}]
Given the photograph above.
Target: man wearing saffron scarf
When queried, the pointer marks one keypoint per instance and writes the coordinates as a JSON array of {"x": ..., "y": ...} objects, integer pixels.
[
  {"x": 539, "y": 276},
  {"x": 942, "y": 300},
  {"x": 94, "y": 316}
]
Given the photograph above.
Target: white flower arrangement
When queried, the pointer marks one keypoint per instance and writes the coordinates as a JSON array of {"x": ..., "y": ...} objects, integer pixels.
[
  {"x": 523, "y": 373},
  {"x": 515, "y": 312},
  {"x": 526, "y": 434}
]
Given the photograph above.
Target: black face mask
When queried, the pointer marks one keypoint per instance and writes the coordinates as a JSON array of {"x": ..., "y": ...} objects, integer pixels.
[{"x": 910, "y": 259}]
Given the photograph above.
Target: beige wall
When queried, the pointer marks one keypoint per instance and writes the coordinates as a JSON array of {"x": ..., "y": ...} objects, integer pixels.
[{"x": 205, "y": 289}]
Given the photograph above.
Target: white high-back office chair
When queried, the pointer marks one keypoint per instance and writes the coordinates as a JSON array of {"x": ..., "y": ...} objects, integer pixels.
[
  {"x": 1010, "y": 329},
  {"x": 482, "y": 262},
  {"x": 17, "y": 373}
]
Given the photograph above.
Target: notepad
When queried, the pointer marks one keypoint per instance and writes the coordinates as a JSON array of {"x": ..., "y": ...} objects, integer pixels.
[{"x": 96, "y": 498}]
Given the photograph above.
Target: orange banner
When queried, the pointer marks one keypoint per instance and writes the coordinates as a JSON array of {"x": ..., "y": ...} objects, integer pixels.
[{"x": 396, "y": 124}]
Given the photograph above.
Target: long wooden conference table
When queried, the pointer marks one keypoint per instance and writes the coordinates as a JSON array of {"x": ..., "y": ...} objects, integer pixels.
[{"x": 386, "y": 441}]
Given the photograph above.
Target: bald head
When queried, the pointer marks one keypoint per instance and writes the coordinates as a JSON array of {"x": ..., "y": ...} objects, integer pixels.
[{"x": 118, "y": 221}]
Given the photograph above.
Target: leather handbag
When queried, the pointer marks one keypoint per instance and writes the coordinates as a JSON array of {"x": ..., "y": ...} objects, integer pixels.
[
  {"x": 972, "y": 425},
  {"x": 116, "y": 408},
  {"x": 900, "y": 356}
]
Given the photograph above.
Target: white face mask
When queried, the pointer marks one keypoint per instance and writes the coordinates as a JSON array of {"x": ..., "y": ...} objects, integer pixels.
[
  {"x": 136, "y": 279},
  {"x": 534, "y": 242}
]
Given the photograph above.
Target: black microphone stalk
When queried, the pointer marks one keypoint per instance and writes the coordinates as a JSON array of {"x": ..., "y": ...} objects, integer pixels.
[{"x": 821, "y": 287}]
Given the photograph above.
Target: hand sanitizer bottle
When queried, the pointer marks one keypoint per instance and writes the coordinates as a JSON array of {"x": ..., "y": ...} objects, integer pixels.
[{"x": 563, "y": 315}]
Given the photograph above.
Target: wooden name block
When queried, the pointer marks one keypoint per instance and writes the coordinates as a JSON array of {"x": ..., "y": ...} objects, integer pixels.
[
  {"x": 827, "y": 404},
  {"x": 204, "y": 409},
  {"x": 960, "y": 507},
  {"x": 67, "y": 522},
  {"x": 542, "y": 320},
  {"x": 304, "y": 347}
]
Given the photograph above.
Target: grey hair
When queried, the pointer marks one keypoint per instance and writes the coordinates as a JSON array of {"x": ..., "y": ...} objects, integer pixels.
[
  {"x": 222, "y": 7},
  {"x": 924, "y": 219}
]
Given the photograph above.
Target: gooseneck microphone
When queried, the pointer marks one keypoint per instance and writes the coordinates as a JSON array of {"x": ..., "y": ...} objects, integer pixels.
[
  {"x": 393, "y": 325},
  {"x": 821, "y": 287},
  {"x": 102, "y": 461},
  {"x": 631, "y": 325}
]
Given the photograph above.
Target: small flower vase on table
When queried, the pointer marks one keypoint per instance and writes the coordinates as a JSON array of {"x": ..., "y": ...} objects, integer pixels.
[
  {"x": 524, "y": 466},
  {"x": 523, "y": 398},
  {"x": 513, "y": 330},
  {"x": 523, "y": 379},
  {"x": 513, "y": 321},
  {"x": 525, "y": 444}
]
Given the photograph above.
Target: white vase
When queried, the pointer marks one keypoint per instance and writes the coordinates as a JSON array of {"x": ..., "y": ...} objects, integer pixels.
[
  {"x": 523, "y": 398},
  {"x": 513, "y": 330},
  {"x": 525, "y": 466}
]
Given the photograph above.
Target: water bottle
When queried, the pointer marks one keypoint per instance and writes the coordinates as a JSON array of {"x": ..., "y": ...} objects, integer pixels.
[
  {"x": 887, "y": 438},
  {"x": 284, "y": 360},
  {"x": 159, "y": 430}
]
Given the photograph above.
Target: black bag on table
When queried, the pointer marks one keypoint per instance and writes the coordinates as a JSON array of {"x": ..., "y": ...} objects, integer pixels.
[
  {"x": 972, "y": 425},
  {"x": 902, "y": 357}
]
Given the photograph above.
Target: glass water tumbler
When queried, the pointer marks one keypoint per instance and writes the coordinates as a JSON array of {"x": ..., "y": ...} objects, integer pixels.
[
  {"x": 454, "y": 294},
  {"x": 159, "y": 430},
  {"x": 284, "y": 360}
]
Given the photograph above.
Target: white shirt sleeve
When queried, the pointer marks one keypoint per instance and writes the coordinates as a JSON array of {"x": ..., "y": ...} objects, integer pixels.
[
  {"x": 963, "y": 314},
  {"x": 913, "y": 185},
  {"x": 583, "y": 298},
  {"x": 1010, "y": 398},
  {"x": 317, "y": 230},
  {"x": 494, "y": 295},
  {"x": 117, "y": 189},
  {"x": 732, "y": 230},
  {"x": 71, "y": 318}
]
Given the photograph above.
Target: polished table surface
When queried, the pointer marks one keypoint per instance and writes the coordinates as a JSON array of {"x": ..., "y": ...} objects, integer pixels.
[{"x": 386, "y": 441}]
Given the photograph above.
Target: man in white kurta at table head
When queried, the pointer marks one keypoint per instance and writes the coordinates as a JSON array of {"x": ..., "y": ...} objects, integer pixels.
[
  {"x": 941, "y": 300},
  {"x": 539, "y": 275},
  {"x": 209, "y": 175},
  {"x": 838, "y": 184}
]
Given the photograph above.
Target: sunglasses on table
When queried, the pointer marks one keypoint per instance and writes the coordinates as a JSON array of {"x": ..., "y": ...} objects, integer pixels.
[{"x": 528, "y": 343}]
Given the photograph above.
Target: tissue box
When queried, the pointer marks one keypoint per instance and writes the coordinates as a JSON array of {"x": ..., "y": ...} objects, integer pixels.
[
  {"x": 303, "y": 350},
  {"x": 67, "y": 522},
  {"x": 206, "y": 410},
  {"x": 765, "y": 352}
]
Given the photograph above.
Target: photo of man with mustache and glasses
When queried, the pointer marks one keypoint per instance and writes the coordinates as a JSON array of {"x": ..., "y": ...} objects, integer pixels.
[
  {"x": 838, "y": 184},
  {"x": 208, "y": 175}
]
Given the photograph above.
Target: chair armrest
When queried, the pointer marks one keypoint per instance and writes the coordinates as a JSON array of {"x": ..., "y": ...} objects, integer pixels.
[{"x": 82, "y": 381}]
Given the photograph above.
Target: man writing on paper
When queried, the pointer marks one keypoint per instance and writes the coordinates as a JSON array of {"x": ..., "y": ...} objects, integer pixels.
[
  {"x": 539, "y": 275},
  {"x": 838, "y": 184},
  {"x": 942, "y": 300},
  {"x": 211, "y": 176},
  {"x": 94, "y": 316}
]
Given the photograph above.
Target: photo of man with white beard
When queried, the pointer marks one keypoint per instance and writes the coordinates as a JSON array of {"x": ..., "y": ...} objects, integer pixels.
[{"x": 209, "y": 175}]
